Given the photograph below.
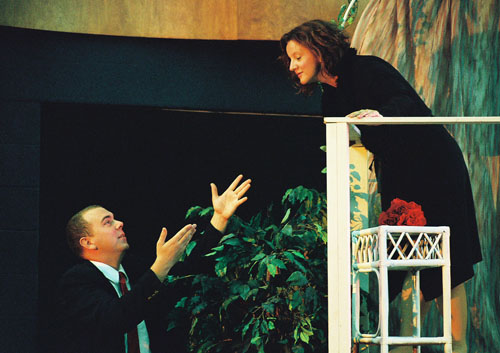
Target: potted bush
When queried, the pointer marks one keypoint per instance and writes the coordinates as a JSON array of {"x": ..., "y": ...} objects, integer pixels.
[{"x": 268, "y": 290}]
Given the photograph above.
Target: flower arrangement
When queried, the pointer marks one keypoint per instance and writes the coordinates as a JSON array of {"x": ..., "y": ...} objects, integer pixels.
[{"x": 402, "y": 213}]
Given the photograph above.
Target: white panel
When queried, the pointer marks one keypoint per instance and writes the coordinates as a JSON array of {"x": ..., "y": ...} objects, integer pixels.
[{"x": 339, "y": 264}]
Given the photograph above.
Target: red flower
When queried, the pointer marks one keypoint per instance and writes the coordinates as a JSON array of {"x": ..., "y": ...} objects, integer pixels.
[{"x": 402, "y": 213}]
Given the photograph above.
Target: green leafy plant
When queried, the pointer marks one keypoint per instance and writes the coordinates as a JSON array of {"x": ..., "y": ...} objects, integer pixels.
[
  {"x": 347, "y": 13},
  {"x": 269, "y": 284}
]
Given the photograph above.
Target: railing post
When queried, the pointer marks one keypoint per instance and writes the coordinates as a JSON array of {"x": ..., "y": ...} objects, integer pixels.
[{"x": 339, "y": 241}]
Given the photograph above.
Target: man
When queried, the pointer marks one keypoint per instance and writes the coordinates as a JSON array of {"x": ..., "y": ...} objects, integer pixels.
[{"x": 99, "y": 310}]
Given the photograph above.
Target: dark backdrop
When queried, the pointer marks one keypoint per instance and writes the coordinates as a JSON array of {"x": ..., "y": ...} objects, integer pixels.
[
  {"x": 148, "y": 166},
  {"x": 72, "y": 84}
]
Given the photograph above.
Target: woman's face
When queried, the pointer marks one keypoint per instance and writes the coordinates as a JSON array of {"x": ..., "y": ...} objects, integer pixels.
[{"x": 303, "y": 62}]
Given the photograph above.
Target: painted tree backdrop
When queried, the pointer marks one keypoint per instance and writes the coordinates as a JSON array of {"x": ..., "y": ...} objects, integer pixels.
[{"x": 449, "y": 51}]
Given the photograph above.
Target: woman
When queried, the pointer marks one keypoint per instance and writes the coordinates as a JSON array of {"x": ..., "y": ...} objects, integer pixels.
[{"x": 420, "y": 163}]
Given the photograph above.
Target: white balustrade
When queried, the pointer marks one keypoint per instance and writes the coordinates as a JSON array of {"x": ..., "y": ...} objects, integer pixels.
[
  {"x": 339, "y": 242},
  {"x": 400, "y": 248}
]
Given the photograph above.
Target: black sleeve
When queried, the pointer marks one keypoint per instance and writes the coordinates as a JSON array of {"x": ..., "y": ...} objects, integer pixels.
[
  {"x": 384, "y": 89},
  {"x": 380, "y": 86},
  {"x": 88, "y": 303}
]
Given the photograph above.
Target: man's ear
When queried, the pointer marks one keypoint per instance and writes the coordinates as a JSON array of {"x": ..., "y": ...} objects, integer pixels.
[{"x": 88, "y": 243}]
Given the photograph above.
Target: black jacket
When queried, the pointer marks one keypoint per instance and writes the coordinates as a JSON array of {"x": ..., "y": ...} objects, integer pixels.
[
  {"x": 91, "y": 318},
  {"x": 420, "y": 163}
]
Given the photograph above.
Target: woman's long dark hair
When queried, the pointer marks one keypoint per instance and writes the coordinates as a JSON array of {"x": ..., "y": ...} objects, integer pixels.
[{"x": 324, "y": 39}]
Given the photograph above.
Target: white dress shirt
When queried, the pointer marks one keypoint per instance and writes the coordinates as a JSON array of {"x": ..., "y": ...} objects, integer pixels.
[{"x": 114, "y": 278}]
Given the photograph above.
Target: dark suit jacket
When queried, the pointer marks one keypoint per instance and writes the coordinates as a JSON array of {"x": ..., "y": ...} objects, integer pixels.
[{"x": 92, "y": 319}]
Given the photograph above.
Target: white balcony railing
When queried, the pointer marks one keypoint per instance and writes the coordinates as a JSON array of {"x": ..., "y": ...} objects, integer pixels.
[{"x": 339, "y": 239}]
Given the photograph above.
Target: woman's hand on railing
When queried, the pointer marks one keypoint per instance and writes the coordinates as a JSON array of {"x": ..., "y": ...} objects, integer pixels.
[{"x": 364, "y": 113}]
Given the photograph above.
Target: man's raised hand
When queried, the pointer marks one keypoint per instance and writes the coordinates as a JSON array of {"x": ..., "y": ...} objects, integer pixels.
[
  {"x": 226, "y": 204},
  {"x": 168, "y": 253}
]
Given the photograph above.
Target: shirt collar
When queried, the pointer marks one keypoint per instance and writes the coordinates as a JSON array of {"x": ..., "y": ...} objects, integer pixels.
[{"x": 109, "y": 272}]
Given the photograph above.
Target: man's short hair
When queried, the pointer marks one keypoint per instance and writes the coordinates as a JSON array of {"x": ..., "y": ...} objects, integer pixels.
[{"x": 78, "y": 228}]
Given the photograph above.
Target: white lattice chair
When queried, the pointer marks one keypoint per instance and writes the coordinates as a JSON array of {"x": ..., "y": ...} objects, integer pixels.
[{"x": 400, "y": 248}]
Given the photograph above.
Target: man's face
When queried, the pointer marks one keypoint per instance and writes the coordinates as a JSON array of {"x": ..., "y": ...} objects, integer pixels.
[{"x": 106, "y": 233}]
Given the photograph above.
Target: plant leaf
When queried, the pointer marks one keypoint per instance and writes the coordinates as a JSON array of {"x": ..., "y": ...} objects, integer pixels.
[
  {"x": 225, "y": 237},
  {"x": 246, "y": 327},
  {"x": 255, "y": 340},
  {"x": 190, "y": 247},
  {"x": 244, "y": 290},
  {"x": 269, "y": 307},
  {"x": 232, "y": 242},
  {"x": 228, "y": 301},
  {"x": 206, "y": 211},
  {"x": 193, "y": 211},
  {"x": 297, "y": 279},
  {"x": 287, "y": 230},
  {"x": 298, "y": 254},
  {"x": 220, "y": 269},
  {"x": 296, "y": 300},
  {"x": 342, "y": 10},
  {"x": 285, "y": 218},
  {"x": 278, "y": 263},
  {"x": 181, "y": 303},
  {"x": 258, "y": 257},
  {"x": 171, "y": 325},
  {"x": 193, "y": 325},
  {"x": 273, "y": 270},
  {"x": 298, "y": 349}
]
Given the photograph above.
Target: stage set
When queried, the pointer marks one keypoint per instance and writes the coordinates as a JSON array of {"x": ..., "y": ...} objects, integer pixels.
[{"x": 139, "y": 106}]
